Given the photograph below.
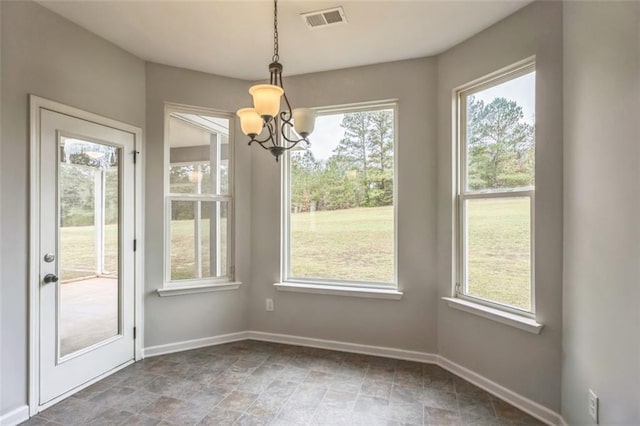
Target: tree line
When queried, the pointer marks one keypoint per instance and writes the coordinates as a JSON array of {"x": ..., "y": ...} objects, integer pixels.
[
  {"x": 359, "y": 173},
  {"x": 77, "y": 187},
  {"x": 500, "y": 145}
]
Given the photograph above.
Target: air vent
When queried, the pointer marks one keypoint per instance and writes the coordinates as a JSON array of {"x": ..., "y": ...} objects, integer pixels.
[{"x": 323, "y": 18}]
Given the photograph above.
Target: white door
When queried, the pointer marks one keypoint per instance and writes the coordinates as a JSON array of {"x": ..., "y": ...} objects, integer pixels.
[{"x": 86, "y": 251}]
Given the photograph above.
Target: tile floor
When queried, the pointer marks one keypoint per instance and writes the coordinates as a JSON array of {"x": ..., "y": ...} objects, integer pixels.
[{"x": 257, "y": 383}]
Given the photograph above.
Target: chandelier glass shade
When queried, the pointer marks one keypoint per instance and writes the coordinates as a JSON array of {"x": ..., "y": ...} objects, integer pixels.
[{"x": 284, "y": 129}]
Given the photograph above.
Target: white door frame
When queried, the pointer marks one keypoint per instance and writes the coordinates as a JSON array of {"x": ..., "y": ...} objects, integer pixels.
[{"x": 35, "y": 105}]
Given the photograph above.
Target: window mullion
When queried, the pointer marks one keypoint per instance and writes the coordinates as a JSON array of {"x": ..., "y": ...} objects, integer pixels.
[
  {"x": 198, "y": 238},
  {"x": 497, "y": 194},
  {"x": 214, "y": 235},
  {"x": 203, "y": 197}
]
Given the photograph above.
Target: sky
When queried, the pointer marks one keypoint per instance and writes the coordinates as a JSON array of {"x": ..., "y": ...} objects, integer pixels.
[
  {"x": 326, "y": 135},
  {"x": 521, "y": 90},
  {"x": 327, "y": 132}
]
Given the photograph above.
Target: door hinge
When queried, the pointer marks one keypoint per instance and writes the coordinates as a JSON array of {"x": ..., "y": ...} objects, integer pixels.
[
  {"x": 135, "y": 245},
  {"x": 134, "y": 333},
  {"x": 135, "y": 156}
]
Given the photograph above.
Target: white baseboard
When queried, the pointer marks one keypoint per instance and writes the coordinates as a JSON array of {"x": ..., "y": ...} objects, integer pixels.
[
  {"x": 194, "y": 344},
  {"x": 344, "y": 346},
  {"x": 528, "y": 406},
  {"x": 525, "y": 404},
  {"x": 14, "y": 417}
]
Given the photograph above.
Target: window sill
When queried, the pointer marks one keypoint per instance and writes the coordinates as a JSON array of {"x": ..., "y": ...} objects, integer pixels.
[
  {"x": 181, "y": 290},
  {"x": 513, "y": 320},
  {"x": 338, "y": 290}
]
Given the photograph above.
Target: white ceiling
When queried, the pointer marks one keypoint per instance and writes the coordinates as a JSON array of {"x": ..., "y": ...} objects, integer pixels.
[{"x": 235, "y": 38}]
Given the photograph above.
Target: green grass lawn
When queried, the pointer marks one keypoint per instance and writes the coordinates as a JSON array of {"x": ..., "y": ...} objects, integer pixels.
[
  {"x": 183, "y": 250},
  {"x": 354, "y": 244},
  {"x": 499, "y": 250},
  {"x": 357, "y": 244},
  {"x": 78, "y": 250}
]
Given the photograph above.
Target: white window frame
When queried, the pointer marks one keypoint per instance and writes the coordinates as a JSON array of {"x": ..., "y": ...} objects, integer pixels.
[
  {"x": 462, "y": 194},
  {"x": 340, "y": 287},
  {"x": 185, "y": 286}
]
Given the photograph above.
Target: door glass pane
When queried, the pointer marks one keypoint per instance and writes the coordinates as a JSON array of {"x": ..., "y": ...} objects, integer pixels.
[
  {"x": 499, "y": 250},
  {"x": 198, "y": 239},
  {"x": 88, "y": 190}
]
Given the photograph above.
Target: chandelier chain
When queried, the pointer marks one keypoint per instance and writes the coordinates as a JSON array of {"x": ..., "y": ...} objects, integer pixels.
[{"x": 276, "y": 57}]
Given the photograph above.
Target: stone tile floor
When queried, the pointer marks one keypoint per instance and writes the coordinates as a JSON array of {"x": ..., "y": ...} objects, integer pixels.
[{"x": 257, "y": 383}]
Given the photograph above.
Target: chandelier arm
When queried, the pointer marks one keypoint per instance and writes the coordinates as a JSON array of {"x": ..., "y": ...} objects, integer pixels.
[
  {"x": 287, "y": 122},
  {"x": 273, "y": 125},
  {"x": 284, "y": 137},
  {"x": 266, "y": 139},
  {"x": 286, "y": 99},
  {"x": 293, "y": 144},
  {"x": 286, "y": 117},
  {"x": 261, "y": 143},
  {"x": 295, "y": 141}
]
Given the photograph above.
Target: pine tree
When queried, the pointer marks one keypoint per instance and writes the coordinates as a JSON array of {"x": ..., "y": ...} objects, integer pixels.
[
  {"x": 353, "y": 146},
  {"x": 500, "y": 145},
  {"x": 380, "y": 147}
]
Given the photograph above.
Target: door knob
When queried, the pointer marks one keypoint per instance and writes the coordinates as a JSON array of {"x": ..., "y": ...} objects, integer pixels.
[{"x": 50, "y": 278}]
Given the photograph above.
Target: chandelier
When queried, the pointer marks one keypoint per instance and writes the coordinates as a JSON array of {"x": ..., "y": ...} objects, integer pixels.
[{"x": 285, "y": 129}]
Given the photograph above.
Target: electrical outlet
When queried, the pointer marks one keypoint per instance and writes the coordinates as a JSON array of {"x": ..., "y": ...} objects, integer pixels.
[
  {"x": 593, "y": 406},
  {"x": 269, "y": 305}
]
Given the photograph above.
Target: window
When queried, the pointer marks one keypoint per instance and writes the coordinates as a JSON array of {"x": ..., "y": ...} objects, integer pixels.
[
  {"x": 339, "y": 198},
  {"x": 199, "y": 226},
  {"x": 496, "y": 191}
]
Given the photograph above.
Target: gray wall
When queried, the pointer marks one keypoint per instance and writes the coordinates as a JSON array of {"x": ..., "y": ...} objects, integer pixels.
[
  {"x": 186, "y": 317},
  {"x": 2, "y": 318},
  {"x": 46, "y": 55},
  {"x": 601, "y": 340},
  {"x": 525, "y": 363},
  {"x": 408, "y": 323}
]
